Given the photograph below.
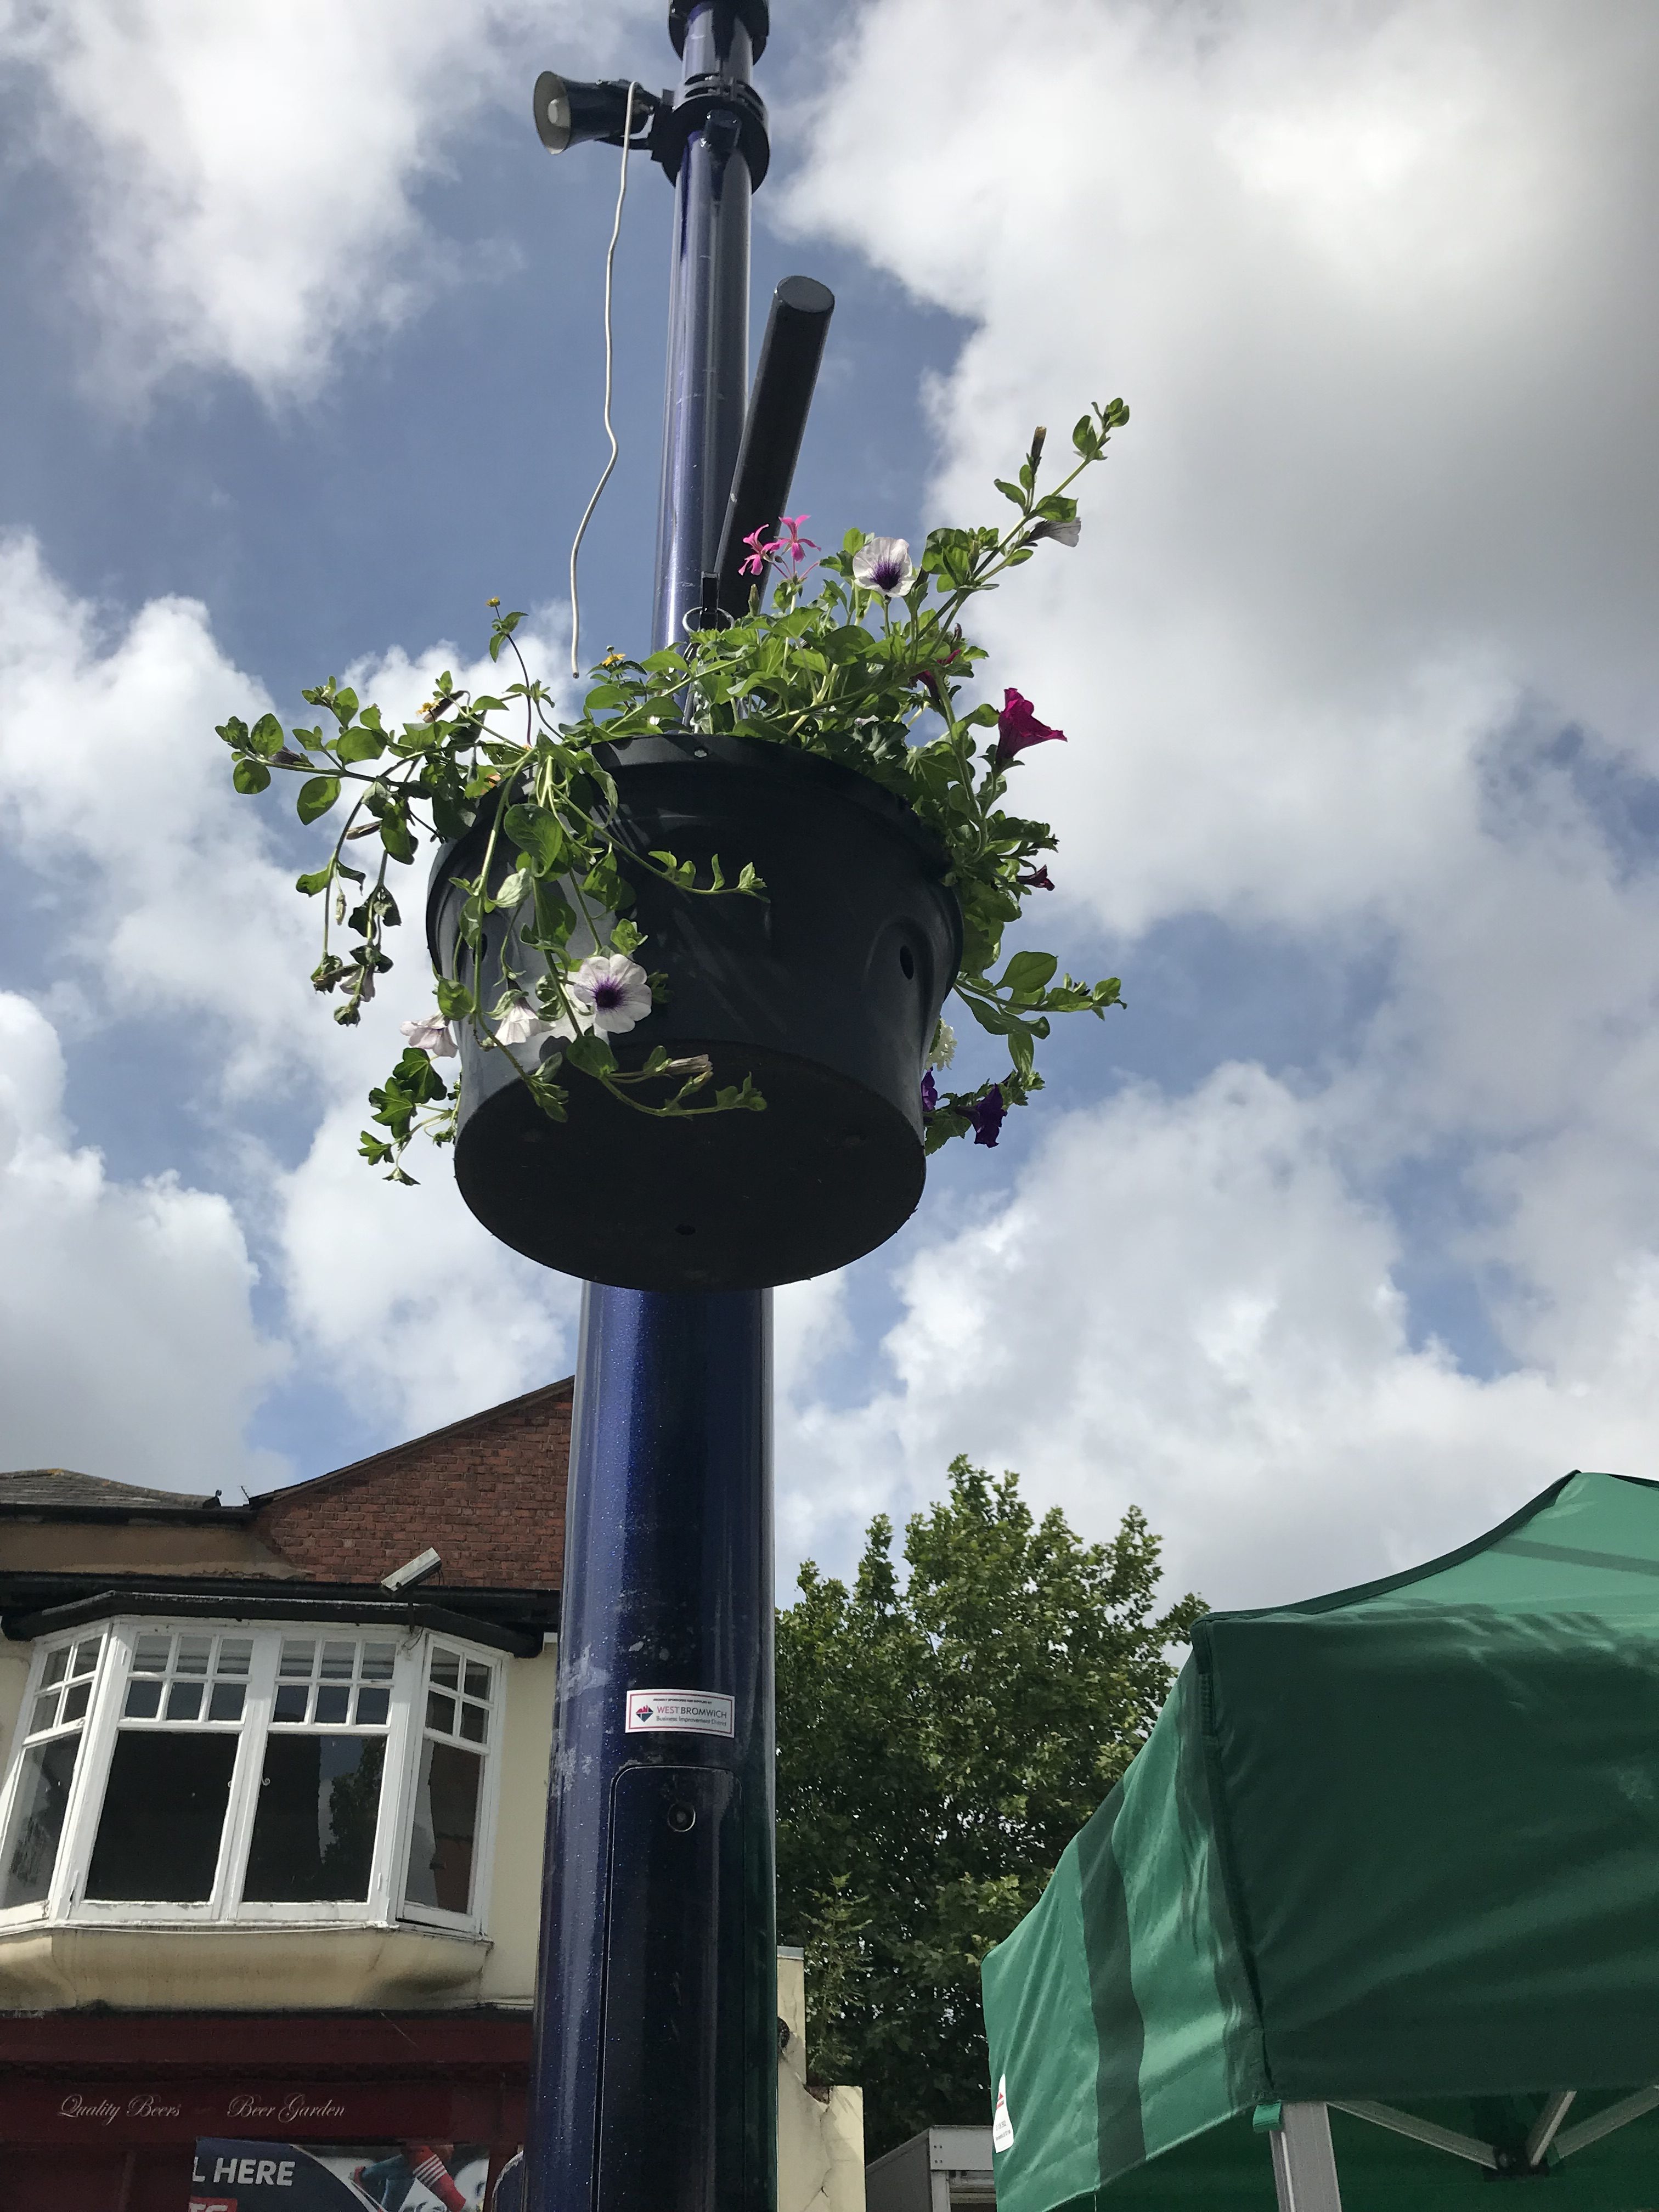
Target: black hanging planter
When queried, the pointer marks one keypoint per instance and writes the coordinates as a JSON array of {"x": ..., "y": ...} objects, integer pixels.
[{"x": 826, "y": 994}]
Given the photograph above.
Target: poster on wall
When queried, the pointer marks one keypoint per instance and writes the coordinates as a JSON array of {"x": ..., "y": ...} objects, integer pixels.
[{"x": 235, "y": 2175}]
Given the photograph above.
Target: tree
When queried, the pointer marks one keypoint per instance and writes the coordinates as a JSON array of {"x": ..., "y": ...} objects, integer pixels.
[{"x": 939, "y": 1742}]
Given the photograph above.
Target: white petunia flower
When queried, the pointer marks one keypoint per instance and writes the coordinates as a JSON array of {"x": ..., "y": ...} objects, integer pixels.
[
  {"x": 883, "y": 564},
  {"x": 431, "y": 1035},
  {"x": 521, "y": 1024},
  {"x": 1063, "y": 533},
  {"x": 943, "y": 1049},
  {"x": 617, "y": 990}
]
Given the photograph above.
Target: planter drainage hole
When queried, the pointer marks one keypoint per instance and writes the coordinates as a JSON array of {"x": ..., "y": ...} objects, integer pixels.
[
  {"x": 685, "y": 1229},
  {"x": 908, "y": 962},
  {"x": 682, "y": 1818}
]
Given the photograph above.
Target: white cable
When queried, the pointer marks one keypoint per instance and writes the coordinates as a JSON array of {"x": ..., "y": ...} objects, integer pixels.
[{"x": 610, "y": 263}]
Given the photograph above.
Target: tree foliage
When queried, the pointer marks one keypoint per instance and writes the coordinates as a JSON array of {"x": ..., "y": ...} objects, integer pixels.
[{"x": 941, "y": 1739}]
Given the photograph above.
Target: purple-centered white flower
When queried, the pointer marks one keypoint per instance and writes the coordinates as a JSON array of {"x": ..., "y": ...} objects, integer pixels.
[
  {"x": 883, "y": 564},
  {"x": 617, "y": 990},
  {"x": 430, "y": 1035},
  {"x": 521, "y": 1024}
]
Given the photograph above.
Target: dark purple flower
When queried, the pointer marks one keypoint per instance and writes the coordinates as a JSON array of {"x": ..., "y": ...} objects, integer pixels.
[
  {"x": 929, "y": 1094},
  {"x": 987, "y": 1114},
  {"x": 1037, "y": 880},
  {"x": 1017, "y": 727}
]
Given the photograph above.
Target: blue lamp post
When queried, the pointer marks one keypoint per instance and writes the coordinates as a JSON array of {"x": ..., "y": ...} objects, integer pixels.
[{"x": 655, "y": 2080}]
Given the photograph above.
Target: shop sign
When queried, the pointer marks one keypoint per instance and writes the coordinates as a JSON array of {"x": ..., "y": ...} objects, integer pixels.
[
  {"x": 128, "y": 2112},
  {"x": 233, "y": 2174}
]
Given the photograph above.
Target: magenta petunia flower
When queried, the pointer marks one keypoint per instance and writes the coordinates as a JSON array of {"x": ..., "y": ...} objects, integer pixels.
[
  {"x": 1037, "y": 880},
  {"x": 987, "y": 1116},
  {"x": 1018, "y": 726}
]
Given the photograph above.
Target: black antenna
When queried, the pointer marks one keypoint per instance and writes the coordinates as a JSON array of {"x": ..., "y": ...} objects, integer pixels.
[{"x": 776, "y": 424}]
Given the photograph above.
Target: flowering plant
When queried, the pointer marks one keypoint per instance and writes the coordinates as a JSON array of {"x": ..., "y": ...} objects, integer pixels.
[{"x": 860, "y": 657}]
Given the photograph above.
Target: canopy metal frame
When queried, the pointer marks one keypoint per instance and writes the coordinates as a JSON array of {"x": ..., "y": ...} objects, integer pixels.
[{"x": 1304, "y": 2162}]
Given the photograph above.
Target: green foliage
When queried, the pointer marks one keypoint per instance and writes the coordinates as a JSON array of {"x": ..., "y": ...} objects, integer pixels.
[
  {"x": 940, "y": 1740},
  {"x": 831, "y": 667}
]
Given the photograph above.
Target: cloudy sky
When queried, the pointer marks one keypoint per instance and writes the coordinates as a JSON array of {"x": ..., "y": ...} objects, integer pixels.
[{"x": 1339, "y": 1244}]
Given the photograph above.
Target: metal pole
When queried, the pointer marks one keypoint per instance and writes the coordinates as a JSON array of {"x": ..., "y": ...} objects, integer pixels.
[{"x": 654, "y": 2079}]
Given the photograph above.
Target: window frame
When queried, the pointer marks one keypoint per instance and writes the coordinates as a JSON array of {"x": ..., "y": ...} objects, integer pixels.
[
  {"x": 484, "y": 1848},
  {"x": 225, "y": 1907}
]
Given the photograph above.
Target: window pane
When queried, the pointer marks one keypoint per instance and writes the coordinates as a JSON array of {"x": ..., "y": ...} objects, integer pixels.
[
  {"x": 57, "y": 1664},
  {"x": 299, "y": 1654},
  {"x": 446, "y": 1668},
  {"x": 446, "y": 1828},
  {"x": 152, "y": 1655},
  {"x": 143, "y": 1700},
  {"x": 314, "y": 1833},
  {"x": 474, "y": 1719},
  {"x": 86, "y": 1656},
  {"x": 477, "y": 1680},
  {"x": 37, "y": 1820},
  {"x": 440, "y": 1713},
  {"x": 226, "y": 1702},
  {"x": 164, "y": 1812},
  {"x": 45, "y": 1713},
  {"x": 75, "y": 1700},
  {"x": 193, "y": 1654},
  {"x": 332, "y": 1699},
  {"x": 377, "y": 1661},
  {"x": 372, "y": 1707},
  {"x": 234, "y": 1655},
  {"x": 291, "y": 1704},
  {"x": 184, "y": 1701},
  {"x": 339, "y": 1660}
]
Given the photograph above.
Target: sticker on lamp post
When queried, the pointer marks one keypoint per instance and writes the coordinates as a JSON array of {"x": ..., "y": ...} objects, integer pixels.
[{"x": 678, "y": 1712}]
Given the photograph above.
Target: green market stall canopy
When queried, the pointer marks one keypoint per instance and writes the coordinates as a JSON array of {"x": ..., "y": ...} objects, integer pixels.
[{"x": 1391, "y": 1854}]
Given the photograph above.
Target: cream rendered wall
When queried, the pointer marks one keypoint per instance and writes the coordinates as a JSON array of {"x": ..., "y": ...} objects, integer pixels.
[
  {"x": 820, "y": 2131},
  {"x": 14, "y": 1662},
  {"x": 512, "y": 1917}
]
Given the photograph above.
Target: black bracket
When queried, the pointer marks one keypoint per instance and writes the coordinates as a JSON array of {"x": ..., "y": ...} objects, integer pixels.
[
  {"x": 698, "y": 100},
  {"x": 755, "y": 16}
]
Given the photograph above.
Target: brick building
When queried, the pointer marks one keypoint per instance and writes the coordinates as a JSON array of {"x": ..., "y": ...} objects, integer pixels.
[
  {"x": 270, "y": 1832},
  {"x": 271, "y": 1837}
]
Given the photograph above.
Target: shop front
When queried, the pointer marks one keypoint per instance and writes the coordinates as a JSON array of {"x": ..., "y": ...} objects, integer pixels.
[{"x": 105, "y": 2114}]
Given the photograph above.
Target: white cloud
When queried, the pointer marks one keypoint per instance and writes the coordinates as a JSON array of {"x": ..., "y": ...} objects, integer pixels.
[
  {"x": 1376, "y": 282},
  {"x": 127, "y": 1346},
  {"x": 249, "y": 177},
  {"x": 1185, "y": 1304},
  {"x": 164, "y": 910}
]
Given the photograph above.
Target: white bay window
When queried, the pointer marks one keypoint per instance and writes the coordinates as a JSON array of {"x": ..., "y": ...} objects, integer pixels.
[{"x": 241, "y": 1773}]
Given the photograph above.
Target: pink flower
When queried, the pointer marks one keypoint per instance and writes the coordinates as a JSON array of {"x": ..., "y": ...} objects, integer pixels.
[
  {"x": 1017, "y": 727},
  {"x": 797, "y": 545},
  {"x": 1038, "y": 878},
  {"x": 761, "y": 550}
]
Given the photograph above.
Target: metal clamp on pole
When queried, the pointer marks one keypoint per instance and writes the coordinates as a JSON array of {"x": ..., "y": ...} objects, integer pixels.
[{"x": 700, "y": 102}]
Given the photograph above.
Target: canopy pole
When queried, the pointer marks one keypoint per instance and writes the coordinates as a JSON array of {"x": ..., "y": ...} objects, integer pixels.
[{"x": 1305, "y": 2164}]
